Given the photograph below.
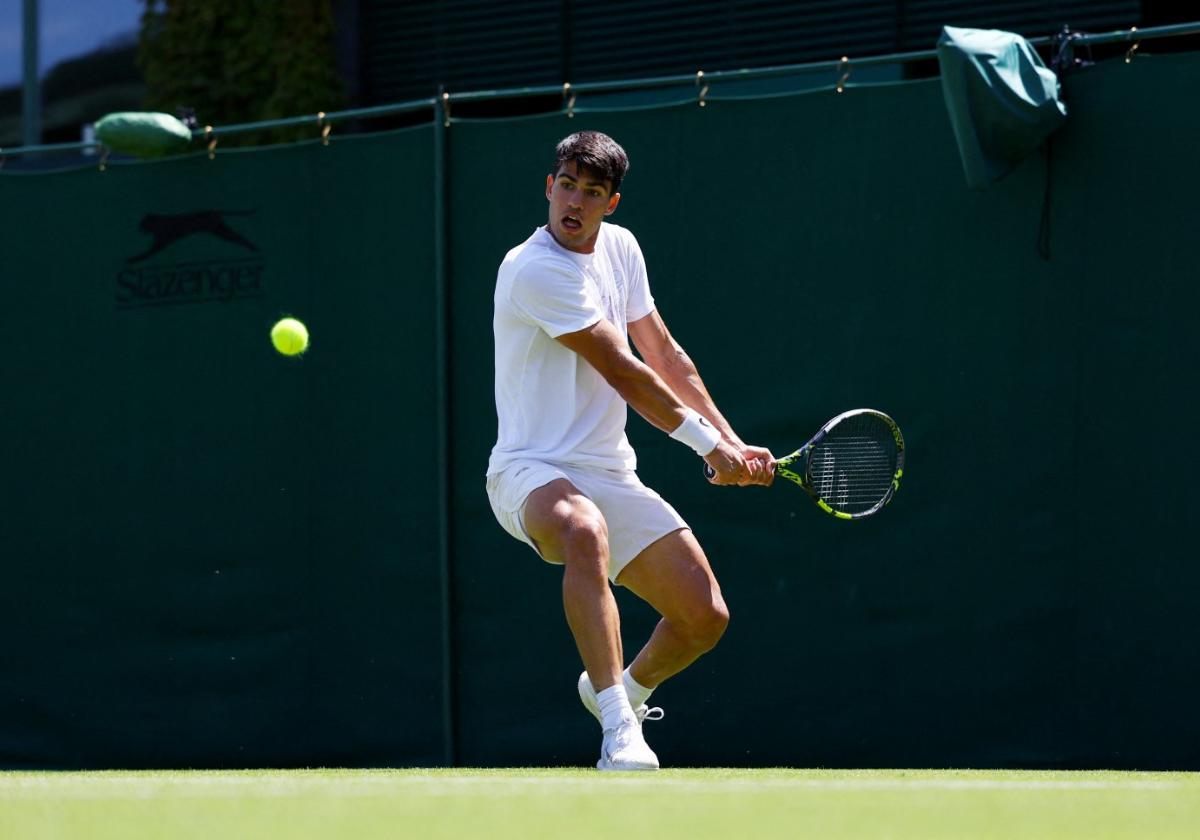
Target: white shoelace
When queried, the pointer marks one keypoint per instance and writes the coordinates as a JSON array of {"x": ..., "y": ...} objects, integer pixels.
[{"x": 652, "y": 713}]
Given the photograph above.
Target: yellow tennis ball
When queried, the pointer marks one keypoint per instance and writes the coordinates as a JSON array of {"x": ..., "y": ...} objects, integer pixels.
[{"x": 289, "y": 336}]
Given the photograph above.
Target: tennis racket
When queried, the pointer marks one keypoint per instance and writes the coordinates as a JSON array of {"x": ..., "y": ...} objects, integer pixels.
[{"x": 851, "y": 467}]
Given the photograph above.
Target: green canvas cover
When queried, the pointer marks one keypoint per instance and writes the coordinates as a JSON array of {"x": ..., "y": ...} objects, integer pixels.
[
  {"x": 143, "y": 133},
  {"x": 1003, "y": 101}
]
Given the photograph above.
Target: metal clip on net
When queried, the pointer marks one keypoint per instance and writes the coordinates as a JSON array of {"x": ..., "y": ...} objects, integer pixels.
[
  {"x": 844, "y": 69},
  {"x": 570, "y": 99},
  {"x": 1129, "y": 55}
]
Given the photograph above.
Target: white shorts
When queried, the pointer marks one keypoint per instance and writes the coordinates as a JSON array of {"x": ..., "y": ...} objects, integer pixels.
[{"x": 636, "y": 515}]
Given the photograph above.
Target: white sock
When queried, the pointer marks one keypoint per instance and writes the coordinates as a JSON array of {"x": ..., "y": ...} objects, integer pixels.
[
  {"x": 614, "y": 707},
  {"x": 637, "y": 693}
]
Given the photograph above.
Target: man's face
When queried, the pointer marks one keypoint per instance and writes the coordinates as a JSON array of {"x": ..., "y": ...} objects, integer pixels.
[{"x": 579, "y": 201}]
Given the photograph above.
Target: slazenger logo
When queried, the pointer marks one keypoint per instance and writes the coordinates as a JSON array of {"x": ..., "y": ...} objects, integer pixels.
[{"x": 141, "y": 283}]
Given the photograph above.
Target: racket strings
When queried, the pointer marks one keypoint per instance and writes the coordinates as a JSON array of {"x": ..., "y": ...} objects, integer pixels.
[{"x": 852, "y": 469}]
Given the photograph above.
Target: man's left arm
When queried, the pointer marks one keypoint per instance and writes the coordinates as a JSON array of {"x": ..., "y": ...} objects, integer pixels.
[{"x": 666, "y": 357}]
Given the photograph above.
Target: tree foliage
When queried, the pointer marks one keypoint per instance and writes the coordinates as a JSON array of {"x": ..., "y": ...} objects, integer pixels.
[{"x": 235, "y": 61}]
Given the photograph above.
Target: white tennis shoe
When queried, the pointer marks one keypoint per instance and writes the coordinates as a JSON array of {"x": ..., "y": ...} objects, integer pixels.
[
  {"x": 624, "y": 748},
  {"x": 587, "y": 696}
]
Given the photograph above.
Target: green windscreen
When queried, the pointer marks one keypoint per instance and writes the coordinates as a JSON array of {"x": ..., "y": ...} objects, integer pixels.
[
  {"x": 217, "y": 556},
  {"x": 207, "y": 544}
]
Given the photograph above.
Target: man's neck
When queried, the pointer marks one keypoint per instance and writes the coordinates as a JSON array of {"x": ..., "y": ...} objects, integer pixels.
[{"x": 588, "y": 247}]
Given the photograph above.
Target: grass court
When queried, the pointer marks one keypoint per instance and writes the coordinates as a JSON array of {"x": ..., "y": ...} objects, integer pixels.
[{"x": 522, "y": 804}]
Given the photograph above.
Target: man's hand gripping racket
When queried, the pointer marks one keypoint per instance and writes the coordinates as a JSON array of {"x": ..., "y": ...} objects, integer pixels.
[{"x": 851, "y": 467}]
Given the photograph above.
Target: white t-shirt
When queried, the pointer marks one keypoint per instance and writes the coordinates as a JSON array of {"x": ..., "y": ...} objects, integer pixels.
[{"x": 552, "y": 405}]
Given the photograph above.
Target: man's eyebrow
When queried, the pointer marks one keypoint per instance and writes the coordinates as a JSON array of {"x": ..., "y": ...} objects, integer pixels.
[{"x": 603, "y": 183}]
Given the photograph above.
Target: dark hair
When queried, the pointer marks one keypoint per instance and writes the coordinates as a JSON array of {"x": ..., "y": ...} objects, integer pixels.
[{"x": 597, "y": 153}]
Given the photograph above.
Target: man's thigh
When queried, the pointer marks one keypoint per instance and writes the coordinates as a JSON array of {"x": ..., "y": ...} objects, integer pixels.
[
  {"x": 673, "y": 576},
  {"x": 533, "y": 501},
  {"x": 634, "y": 516},
  {"x": 637, "y": 516},
  {"x": 509, "y": 490},
  {"x": 551, "y": 511}
]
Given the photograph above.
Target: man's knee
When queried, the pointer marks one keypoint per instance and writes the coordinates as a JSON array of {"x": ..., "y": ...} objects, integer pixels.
[
  {"x": 567, "y": 527},
  {"x": 706, "y": 625},
  {"x": 579, "y": 537},
  {"x": 583, "y": 540}
]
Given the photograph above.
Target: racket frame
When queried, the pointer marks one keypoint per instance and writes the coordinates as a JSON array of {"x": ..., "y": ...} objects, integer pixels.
[{"x": 797, "y": 467}]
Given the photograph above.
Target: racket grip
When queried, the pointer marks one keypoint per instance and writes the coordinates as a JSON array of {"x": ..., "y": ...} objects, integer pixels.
[{"x": 709, "y": 472}]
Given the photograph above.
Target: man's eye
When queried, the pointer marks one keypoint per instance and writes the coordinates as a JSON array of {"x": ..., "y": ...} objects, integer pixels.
[{"x": 594, "y": 193}]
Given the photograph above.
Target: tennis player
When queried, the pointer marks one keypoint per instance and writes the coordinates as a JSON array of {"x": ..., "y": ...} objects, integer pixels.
[{"x": 561, "y": 475}]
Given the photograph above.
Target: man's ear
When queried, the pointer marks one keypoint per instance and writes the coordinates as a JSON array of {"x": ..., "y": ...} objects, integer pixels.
[
  {"x": 612, "y": 204},
  {"x": 549, "y": 185}
]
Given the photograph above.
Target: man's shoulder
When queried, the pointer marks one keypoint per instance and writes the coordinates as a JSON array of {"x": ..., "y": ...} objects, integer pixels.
[
  {"x": 535, "y": 256},
  {"x": 618, "y": 233},
  {"x": 620, "y": 243},
  {"x": 534, "y": 271},
  {"x": 530, "y": 246}
]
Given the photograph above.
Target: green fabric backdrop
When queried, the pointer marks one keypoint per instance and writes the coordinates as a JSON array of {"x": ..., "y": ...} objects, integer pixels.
[
  {"x": 1017, "y": 605},
  {"x": 208, "y": 547},
  {"x": 1025, "y": 601}
]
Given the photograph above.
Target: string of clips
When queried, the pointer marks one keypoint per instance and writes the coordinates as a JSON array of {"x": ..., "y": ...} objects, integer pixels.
[{"x": 701, "y": 82}]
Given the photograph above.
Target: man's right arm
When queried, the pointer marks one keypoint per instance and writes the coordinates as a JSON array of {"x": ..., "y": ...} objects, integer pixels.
[{"x": 604, "y": 347}]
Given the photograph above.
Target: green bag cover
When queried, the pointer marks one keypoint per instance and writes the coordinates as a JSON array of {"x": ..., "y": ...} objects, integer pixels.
[
  {"x": 1003, "y": 101},
  {"x": 143, "y": 134}
]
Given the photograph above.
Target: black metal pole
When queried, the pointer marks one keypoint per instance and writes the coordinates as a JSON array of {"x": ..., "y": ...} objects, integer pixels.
[
  {"x": 442, "y": 337},
  {"x": 31, "y": 107}
]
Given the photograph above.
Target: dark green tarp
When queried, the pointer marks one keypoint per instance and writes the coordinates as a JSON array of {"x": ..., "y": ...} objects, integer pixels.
[
  {"x": 215, "y": 556},
  {"x": 1002, "y": 100}
]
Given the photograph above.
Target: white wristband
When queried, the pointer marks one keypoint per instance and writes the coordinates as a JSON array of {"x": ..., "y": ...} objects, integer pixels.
[{"x": 697, "y": 433}]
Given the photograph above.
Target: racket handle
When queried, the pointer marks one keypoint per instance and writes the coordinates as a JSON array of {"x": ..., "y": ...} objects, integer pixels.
[{"x": 709, "y": 472}]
